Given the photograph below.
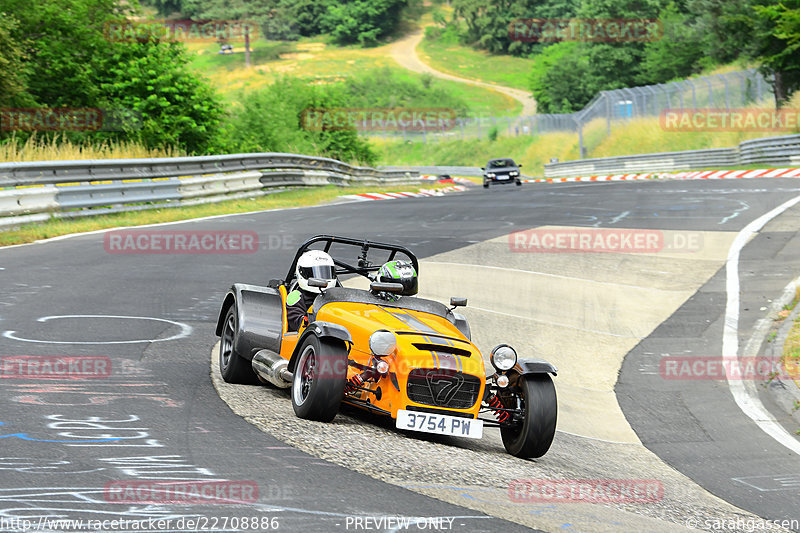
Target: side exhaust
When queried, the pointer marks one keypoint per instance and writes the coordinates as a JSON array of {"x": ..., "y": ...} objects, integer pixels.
[{"x": 272, "y": 367}]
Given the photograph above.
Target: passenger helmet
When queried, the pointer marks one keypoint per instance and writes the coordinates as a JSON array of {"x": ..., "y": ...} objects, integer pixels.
[
  {"x": 315, "y": 264},
  {"x": 401, "y": 272}
]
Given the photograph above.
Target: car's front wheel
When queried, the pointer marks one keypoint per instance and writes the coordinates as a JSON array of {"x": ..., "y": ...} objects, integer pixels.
[
  {"x": 532, "y": 436},
  {"x": 319, "y": 379},
  {"x": 485, "y": 184}
]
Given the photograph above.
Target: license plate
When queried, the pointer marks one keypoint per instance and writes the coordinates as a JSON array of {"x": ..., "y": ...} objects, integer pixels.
[
  {"x": 440, "y": 424},
  {"x": 503, "y": 177}
]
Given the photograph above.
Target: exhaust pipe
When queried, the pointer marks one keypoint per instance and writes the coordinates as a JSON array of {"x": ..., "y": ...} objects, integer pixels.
[{"x": 272, "y": 367}]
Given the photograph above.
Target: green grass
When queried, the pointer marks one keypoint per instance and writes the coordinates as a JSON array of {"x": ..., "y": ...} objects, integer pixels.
[
  {"x": 479, "y": 65},
  {"x": 791, "y": 351},
  {"x": 319, "y": 62},
  {"x": 289, "y": 198}
]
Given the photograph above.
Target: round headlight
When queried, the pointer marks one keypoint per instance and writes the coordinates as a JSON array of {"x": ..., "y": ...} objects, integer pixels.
[
  {"x": 382, "y": 367},
  {"x": 503, "y": 357},
  {"x": 382, "y": 343}
]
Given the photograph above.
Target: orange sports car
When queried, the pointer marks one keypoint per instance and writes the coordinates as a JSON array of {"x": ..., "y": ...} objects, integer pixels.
[{"x": 387, "y": 351}]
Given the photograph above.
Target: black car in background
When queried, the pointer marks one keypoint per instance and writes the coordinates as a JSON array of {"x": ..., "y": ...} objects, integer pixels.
[{"x": 503, "y": 170}]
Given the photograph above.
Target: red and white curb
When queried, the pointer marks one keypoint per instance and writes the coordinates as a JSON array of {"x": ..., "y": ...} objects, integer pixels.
[
  {"x": 695, "y": 175},
  {"x": 395, "y": 195},
  {"x": 454, "y": 179}
]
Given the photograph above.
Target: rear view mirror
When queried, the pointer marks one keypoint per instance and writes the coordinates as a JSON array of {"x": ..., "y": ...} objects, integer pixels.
[
  {"x": 458, "y": 302},
  {"x": 377, "y": 286},
  {"x": 316, "y": 282}
]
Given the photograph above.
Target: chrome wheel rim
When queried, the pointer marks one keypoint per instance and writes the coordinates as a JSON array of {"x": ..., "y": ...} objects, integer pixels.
[
  {"x": 304, "y": 376},
  {"x": 226, "y": 344}
]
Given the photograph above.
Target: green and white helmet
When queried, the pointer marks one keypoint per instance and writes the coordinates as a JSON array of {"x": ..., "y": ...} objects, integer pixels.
[{"x": 401, "y": 272}]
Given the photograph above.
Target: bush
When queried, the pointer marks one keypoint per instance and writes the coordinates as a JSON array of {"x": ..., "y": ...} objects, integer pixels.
[{"x": 271, "y": 120}]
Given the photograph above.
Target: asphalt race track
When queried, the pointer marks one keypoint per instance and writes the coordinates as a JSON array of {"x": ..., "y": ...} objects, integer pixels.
[{"x": 70, "y": 447}]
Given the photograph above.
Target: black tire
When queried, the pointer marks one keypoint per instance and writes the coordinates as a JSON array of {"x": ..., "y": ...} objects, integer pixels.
[
  {"x": 519, "y": 183},
  {"x": 485, "y": 184},
  {"x": 319, "y": 379},
  {"x": 533, "y": 437},
  {"x": 232, "y": 366}
]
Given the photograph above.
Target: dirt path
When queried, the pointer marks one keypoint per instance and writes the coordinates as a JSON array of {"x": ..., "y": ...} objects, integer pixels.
[{"x": 404, "y": 52}]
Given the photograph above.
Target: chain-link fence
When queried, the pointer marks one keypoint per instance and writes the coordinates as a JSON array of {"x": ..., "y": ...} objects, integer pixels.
[{"x": 719, "y": 91}]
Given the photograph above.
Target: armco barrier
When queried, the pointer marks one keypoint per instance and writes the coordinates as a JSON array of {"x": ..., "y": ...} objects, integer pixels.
[
  {"x": 34, "y": 191},
  {"x": 776, "y": 151},
  {"x": 769, "y": 151}
]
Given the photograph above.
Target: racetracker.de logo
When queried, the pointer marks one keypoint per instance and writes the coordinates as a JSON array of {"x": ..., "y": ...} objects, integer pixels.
[
  {"x": 180, "y": 242},
  {"x": 68, "y": 119},
  {"x": 600, "y": 240},
  {"x": 186, "y": 31},
  {"x": 587, "y": 30},
  {"x": 378, "y": 119},
  {"x": 765, "y": 120},
  {"x": 180, "y": 492},
  {"x": 733, "y": 368},
  {"x": 54, "y": 367},
  {"x": 585, "y": 491}
]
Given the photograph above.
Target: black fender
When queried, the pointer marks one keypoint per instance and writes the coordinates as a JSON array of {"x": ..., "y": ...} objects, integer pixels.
[
  {"x": 460, "y": 322},
  {"x": 321, "y": 330},
  {"x": 259, "y": 312},
  {"x": 534, "y": 366}
]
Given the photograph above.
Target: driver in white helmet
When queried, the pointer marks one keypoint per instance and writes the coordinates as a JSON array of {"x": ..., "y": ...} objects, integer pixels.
[{"x": 312, "y": 264}]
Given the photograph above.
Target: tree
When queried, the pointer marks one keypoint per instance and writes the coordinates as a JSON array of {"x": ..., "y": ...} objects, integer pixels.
[
  {"x": 778, "y": 48},
  {"x": 560, "y": 79},
  {"x": 75, "y": 59},
  {"x": 488, "y": 22},
  {"x": 12, "y": 55},
  {"x": 677, "y": 54},
  {"x": 362, "y": 21},
  {"x": 273, "y": 120},
  {"x": 169, "y": 105}
]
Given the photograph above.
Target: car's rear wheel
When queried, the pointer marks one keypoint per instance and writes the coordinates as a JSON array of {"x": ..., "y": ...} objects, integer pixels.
[
  {"x": 319, "y": 379},
  {"x": 533, "y": 435},
  {"x": 232, "y": 366}
]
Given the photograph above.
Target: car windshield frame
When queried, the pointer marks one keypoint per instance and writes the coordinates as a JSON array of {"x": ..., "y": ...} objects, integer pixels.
[{"x": 507, "y": 163}]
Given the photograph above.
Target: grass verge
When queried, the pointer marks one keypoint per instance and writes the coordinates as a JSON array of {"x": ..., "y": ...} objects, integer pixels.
[
  {"x": 319, "y": 62},
  {"x": 57, "y": 149},
  {"x": 791, "y": 348},
  {"x": 298, "y": 197},
  {"x": 465, "y": 62},
  {"x": 637, "y": 136}
]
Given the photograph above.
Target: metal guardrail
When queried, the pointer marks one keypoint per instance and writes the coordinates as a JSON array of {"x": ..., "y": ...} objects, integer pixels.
[
  {"x": 36, "y": 191},
  {"x": 770, "y": 151}
]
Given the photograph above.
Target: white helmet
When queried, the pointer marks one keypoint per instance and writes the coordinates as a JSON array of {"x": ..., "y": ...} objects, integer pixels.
[{"x": 315, "y": 264}]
